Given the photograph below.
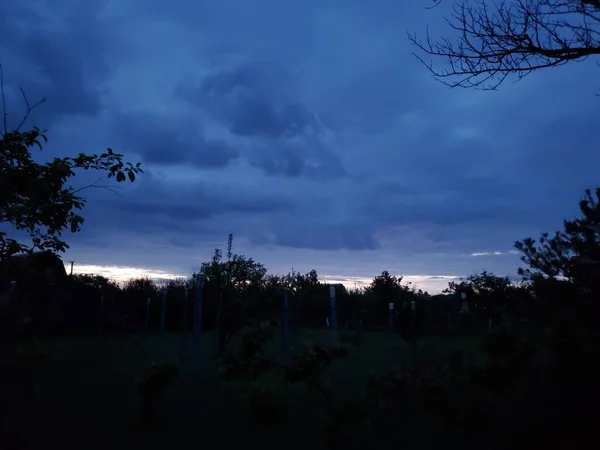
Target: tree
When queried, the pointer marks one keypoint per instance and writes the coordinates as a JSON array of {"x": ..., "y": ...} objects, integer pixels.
[
  {"x": 512, "y": 38},
  {"x": 563, "y": 271},
  {"x": 386, "y": 288},
  {"x": 34, "y": 196},
  {"x": 553, "y": 257},
  {"x": 486, "y": 293}
]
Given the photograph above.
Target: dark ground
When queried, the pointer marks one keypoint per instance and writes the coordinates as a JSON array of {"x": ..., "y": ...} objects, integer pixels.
[{"x": 80, "y": 393}]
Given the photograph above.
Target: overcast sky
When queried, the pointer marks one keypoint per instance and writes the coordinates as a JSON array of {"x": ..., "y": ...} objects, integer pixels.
[{"x": 307, "y": 129}]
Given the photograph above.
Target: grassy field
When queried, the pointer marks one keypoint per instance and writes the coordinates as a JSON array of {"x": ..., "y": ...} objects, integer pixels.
[{"x": 83, "y": 392}]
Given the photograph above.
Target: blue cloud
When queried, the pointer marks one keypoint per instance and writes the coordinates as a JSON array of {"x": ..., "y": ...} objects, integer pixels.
[{"x": 308, "y": 130}]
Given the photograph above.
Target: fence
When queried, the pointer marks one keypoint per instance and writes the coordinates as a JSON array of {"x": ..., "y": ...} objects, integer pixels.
[{"x": 84, "y": 307}]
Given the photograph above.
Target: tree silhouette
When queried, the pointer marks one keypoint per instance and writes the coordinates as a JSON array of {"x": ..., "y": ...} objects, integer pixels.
[
  {"x": 554, "y": 257},
  {"x": 34, "y": 196},
  {"x": 496, "y": 40}
]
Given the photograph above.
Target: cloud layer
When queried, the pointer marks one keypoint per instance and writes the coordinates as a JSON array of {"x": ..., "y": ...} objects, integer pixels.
[{"x": 309, "y": 131}]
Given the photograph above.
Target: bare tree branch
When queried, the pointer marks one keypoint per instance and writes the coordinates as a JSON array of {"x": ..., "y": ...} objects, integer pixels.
[
  {"x": 4, "y": 110},
  {"x": 4, "y": 113},
  {"x": 29, "y": 108},
  {"x": 95, "y": 184},
  {"x": 512, "y": 38}
]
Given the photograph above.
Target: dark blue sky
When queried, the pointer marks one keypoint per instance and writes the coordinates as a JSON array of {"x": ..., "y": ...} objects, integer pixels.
[{"x": 308, "y": 129}]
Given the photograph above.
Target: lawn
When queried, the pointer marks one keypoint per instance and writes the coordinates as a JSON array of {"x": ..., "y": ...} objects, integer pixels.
[{"x": 84, "y": 392}]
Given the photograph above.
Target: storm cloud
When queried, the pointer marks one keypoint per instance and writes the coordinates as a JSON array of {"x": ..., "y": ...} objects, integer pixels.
[{"x": 309, "y": 131}]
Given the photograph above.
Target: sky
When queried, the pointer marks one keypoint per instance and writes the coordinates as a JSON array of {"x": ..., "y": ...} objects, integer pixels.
[{"x": 308, "y": 129}]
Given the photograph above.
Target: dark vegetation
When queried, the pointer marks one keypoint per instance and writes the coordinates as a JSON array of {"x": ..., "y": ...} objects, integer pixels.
[
  {"x": 81, "y": 369},
  {"x": 442, "y": 379}
]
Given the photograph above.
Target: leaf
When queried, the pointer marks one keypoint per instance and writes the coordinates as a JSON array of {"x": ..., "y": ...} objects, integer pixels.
[{"x": 40, "y": 200}]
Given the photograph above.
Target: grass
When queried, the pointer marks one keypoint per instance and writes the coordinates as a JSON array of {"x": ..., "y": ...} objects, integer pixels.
[{"x": 84, "y": 392}]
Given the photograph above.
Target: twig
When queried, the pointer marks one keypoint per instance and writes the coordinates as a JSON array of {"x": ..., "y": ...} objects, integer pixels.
[
  {"x": 4, "y": 110},
  {"x": 100, "y": 186},
  {"x": 515, "y": 39},
  {"x": 29, "y": 108},
  {"x": 4, "y": 113}
]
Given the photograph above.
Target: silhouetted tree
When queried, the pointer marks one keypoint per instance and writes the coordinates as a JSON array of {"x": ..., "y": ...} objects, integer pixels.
[
  {"x": 498, "y": 39},
  {"x": 34, "y": 196},
  {"x": 552, "y": 257}
]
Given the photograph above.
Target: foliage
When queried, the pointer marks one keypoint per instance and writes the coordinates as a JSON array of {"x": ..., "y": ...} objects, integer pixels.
[
  {"x": 551, "y": 256},
  {"x": 512, "y": 38},
  {"x": 248, "y": 360},
  {"x": 97, "y": 282},
  {"x": 385, "y": 289},
  {"x": 563, "y": 273},
  {"x": 34, "y": 197},
  {"x": 508, "y": 353},
  {"x": 486, "y": 293},
  {"x": 265, "y": 404},
  {"x": 151, "y": 388}
]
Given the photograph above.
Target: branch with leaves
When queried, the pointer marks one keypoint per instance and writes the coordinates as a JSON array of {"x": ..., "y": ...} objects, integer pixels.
[{"x": 33, "y": 196}]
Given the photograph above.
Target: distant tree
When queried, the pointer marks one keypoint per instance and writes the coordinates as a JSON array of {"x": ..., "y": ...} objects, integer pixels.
[
  {"x": 97, "y": 282},
  {"x": 386, "y": 288},
  {"x": 553, "y": 257},
  {"x": 563, "y": 271},
  {"x": 34, "y": 196},
  {"x": 487, "y": 293},
  {"x": 141, "y": 289},
  {"x": 498, "y": 39},
  {"x": 236, "y": 284}
]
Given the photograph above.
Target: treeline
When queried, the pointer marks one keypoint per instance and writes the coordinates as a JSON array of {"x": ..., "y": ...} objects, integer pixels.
[{"x": 238, "y": 290}]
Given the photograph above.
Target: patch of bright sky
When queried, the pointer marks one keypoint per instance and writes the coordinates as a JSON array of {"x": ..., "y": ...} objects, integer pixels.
[{"x": 120, "y": 274}]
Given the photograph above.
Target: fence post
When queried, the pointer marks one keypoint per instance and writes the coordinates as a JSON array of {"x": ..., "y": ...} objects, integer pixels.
[
  {"x": 286, "y": 322},
  {"x": 333, "y": 312},
  {"x": 198, "y": 304},
  {"x": 184, "y": 314},
  {"x": 147, "y": 314},
  {"x": 163, "y": 311},
  {"x": 390, "y": 318},
  {"x": 101, "y": 321}
]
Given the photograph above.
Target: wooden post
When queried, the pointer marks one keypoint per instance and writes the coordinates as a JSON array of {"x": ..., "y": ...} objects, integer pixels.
[
  {"x": 184, "y": 313},
  {"x": 101, "y": 321},
  {"x": 147, "y": 314},
  {"x": 390, "y": 318},
  {"x": 163, "y": 311},
  {"x": 286, "y": 323},
  {"x": 333, "y": 312},
  {"x": 198, "y": 304}
]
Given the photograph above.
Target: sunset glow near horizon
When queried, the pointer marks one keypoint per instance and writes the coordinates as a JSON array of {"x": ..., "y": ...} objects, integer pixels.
[{"x": 432, "y": 285}]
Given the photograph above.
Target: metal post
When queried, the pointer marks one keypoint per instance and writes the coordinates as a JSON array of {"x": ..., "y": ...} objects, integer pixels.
[
  {"x": 163, "y": 311},
  {"x": 286, "y": 323},
  {"x": 198, "y": 304}
]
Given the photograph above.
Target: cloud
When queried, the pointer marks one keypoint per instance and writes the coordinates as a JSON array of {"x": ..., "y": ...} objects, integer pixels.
[
  {"x": 172, "y": 140},
  {"x": 60, "y": 54},
  {"x": 282, "y": 137},
  {"x": 307, "y": 130}
]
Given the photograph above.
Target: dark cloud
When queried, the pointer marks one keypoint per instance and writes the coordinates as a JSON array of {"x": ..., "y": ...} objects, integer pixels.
[
  {"x": 322, "y": 237},
  {"x": 288, "y": 137},
  {"x": 249, "y": 106},
  {"x": 309, "y": 158},
  {"x": 308, "y": 130},
  {"x": 168, "y": 140},
  {"x": 58, "y": 55}
]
